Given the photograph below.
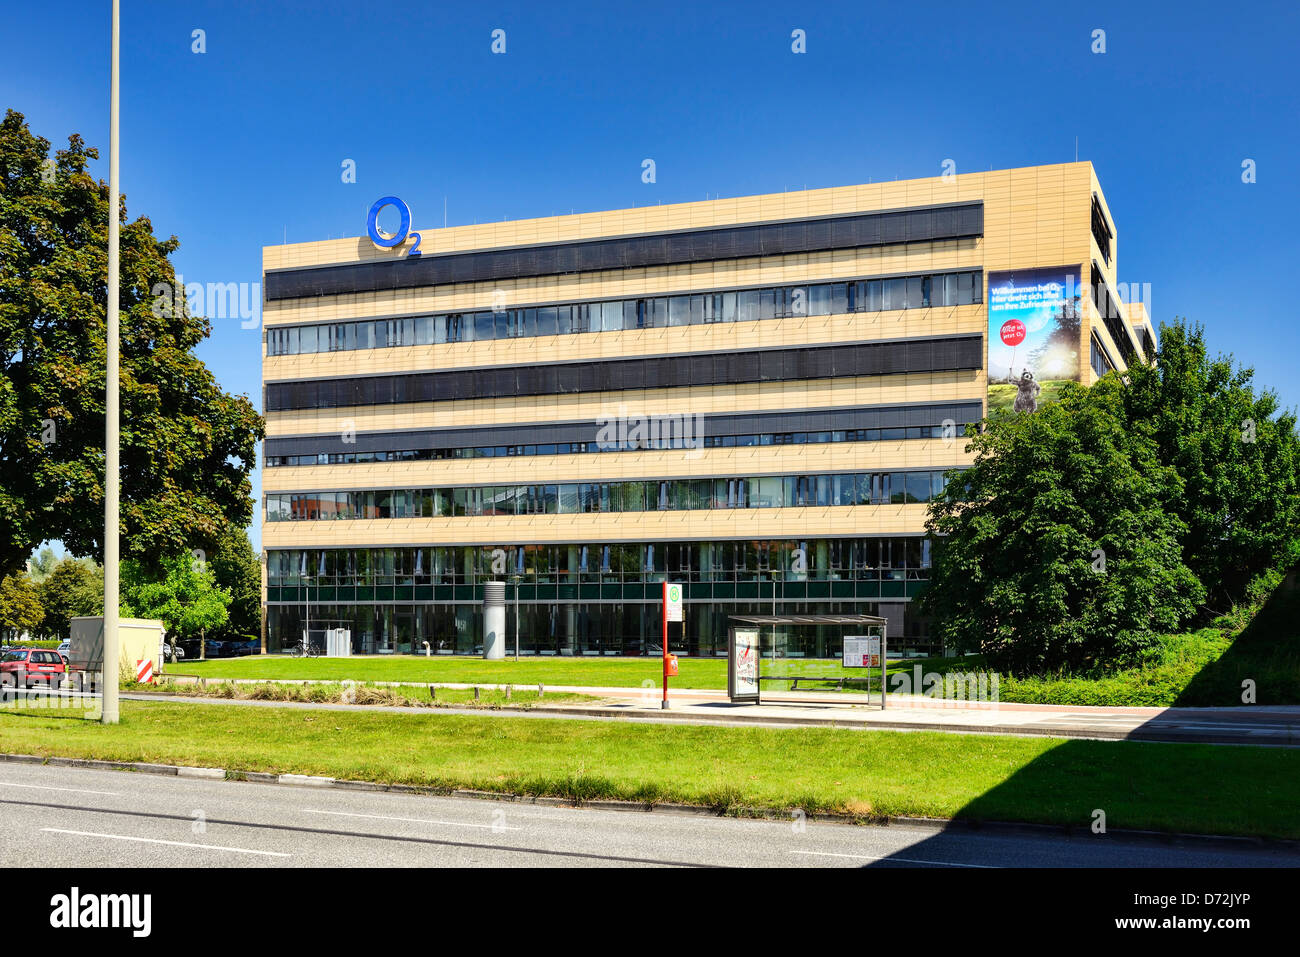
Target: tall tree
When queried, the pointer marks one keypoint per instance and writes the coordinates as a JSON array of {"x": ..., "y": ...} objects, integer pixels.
[
  {"x": 186, "y": 598},
  {"x": 40, "y": 567},
  {"x": 236, "y": 569},
  {"x": 1237, "y": 455},
  {"x": 74, "y": 588},
  {"x": 187, "y": 446},
  {"x": 20, "y": 606},
  {"x": 1058, "y": 548}
]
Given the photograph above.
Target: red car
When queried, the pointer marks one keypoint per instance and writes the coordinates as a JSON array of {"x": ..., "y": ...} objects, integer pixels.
[{"x": 30, "y": 666}]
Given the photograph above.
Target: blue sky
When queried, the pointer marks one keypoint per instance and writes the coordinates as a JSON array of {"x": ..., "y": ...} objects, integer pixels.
[{"x": 240, "y": 146}]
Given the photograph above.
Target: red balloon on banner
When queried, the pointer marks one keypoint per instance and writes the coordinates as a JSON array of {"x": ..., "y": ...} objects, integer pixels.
[{"x": 1013, "y": 332}]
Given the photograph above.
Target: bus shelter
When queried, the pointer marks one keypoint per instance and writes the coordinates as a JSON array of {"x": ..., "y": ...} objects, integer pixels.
[{"x": 864, "y": 646}]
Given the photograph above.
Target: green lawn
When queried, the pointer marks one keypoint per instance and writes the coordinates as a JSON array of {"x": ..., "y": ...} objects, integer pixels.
[
  {"x": 586, "y": 672},
  {"x": 1200, "y": 788}
]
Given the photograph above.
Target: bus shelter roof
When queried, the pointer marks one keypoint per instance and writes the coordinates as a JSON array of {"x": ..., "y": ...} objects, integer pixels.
[{"x": 809, "y": 619}]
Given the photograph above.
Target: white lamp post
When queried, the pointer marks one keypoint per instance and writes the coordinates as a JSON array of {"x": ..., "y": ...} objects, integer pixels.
[{"x": 111, "y": 425}]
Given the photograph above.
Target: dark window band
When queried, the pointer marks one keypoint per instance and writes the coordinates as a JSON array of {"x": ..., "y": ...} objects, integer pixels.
[
  {"x": 633, "y": 252},
  {"x": 1108, "y": 306},
  {"x": 694, "y": 369}
]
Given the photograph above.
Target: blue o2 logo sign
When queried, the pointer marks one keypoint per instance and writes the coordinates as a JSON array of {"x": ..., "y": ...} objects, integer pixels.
[{"x": 385, "y": 241}]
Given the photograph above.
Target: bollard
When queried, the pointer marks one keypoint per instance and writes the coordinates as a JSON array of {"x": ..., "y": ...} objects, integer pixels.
[
  {"x": 476, "y": 692},
  {"x": 427, "y": 652},
  {"x": 541, "y": 691},
  {"x": 507, "y": 692},
  {"x": 433, "y": 693}
]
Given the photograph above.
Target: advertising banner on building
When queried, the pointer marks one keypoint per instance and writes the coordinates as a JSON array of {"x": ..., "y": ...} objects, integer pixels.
[{"x": 1033, "y": 337}]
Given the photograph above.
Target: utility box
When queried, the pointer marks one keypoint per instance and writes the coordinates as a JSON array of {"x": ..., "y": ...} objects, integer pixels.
[{"x": 138, "y": 638}]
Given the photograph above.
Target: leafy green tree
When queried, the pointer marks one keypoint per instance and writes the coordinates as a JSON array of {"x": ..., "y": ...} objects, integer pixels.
[
  {"x": 20, "y": 606},
  {"x": 1237, "y": 456},
  {"x": 73, "y": 588},
  {"x": 185, "y": 597},
  {"x": 1058, "y": 548},
  {"x": 236, "y": 569},
  {"x": 40, "y": 567},
  {"x": 187, "y": 446}
]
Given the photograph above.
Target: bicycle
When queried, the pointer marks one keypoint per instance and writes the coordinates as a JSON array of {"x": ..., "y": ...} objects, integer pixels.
[{"x": 305, "y": 649}]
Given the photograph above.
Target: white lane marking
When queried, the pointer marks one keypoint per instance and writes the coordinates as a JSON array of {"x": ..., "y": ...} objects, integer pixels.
[
  {"x": 413, "y": 820},
  {"x": 47, "y": 787},
  {"x": 154, "y": 840},
  {"x": 891, "y": 857}
]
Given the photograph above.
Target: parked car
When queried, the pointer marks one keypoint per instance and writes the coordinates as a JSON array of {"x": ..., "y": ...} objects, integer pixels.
[{"x": 29, "y": 665}]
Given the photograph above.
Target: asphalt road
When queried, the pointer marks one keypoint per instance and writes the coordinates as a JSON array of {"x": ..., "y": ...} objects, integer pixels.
[{"x": 73, "y": 817}]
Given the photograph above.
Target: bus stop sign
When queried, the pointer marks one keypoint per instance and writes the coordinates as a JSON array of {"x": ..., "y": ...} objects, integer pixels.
[{"x": 861, "y": 651}]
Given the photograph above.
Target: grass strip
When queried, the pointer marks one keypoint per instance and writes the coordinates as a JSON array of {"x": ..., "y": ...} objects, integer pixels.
[
  {"x": 869, "y": 774},
  {"x": 361, "y": 694}
]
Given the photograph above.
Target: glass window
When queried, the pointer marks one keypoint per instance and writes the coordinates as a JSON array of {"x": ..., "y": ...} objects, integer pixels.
[
  {"x": 914, "y": 293},
  {"x": 893, "y": 294},
  {"x": 874, "y": 295},
  {"x": 918, "y": 486},
  {"x": 729, "y": 307},
  {"x": 819, "y": 301},
  {"x": 563, "y": 320},
  {"x": 547, "y": 321},
  {"x": 839, "y": 298},
  {"x": 965, "y": 288}
]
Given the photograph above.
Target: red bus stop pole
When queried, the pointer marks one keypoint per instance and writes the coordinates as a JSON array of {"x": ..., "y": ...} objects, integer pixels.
[{"x": 665, "y": 617}]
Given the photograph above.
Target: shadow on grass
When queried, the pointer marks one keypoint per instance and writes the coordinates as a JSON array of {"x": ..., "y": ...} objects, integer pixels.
[
  {"x": 1092, "y": 800},
  {"x": 1264, "y": 658}
]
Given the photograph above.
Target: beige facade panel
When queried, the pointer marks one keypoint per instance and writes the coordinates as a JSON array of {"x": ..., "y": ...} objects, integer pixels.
[
  {"x": 625, "y": 466},
  {"x": 845, "y": 521},
  {"x": 996, "y": 188},
  {"x": 631, "y": 283},
  {"x": 704, "y": 400}
]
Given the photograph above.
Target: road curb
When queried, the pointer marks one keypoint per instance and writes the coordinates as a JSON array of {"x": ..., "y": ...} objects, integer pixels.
[
  {"x": 211, "y": 773},
  {"x": 694, "y": 810}
]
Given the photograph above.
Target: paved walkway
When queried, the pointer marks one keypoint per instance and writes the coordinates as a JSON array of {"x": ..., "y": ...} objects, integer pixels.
[{"x": 1273, "y": 726}]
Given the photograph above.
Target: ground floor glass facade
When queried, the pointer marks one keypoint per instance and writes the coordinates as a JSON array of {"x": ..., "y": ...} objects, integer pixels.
[{"x": 577, "y": 628}]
